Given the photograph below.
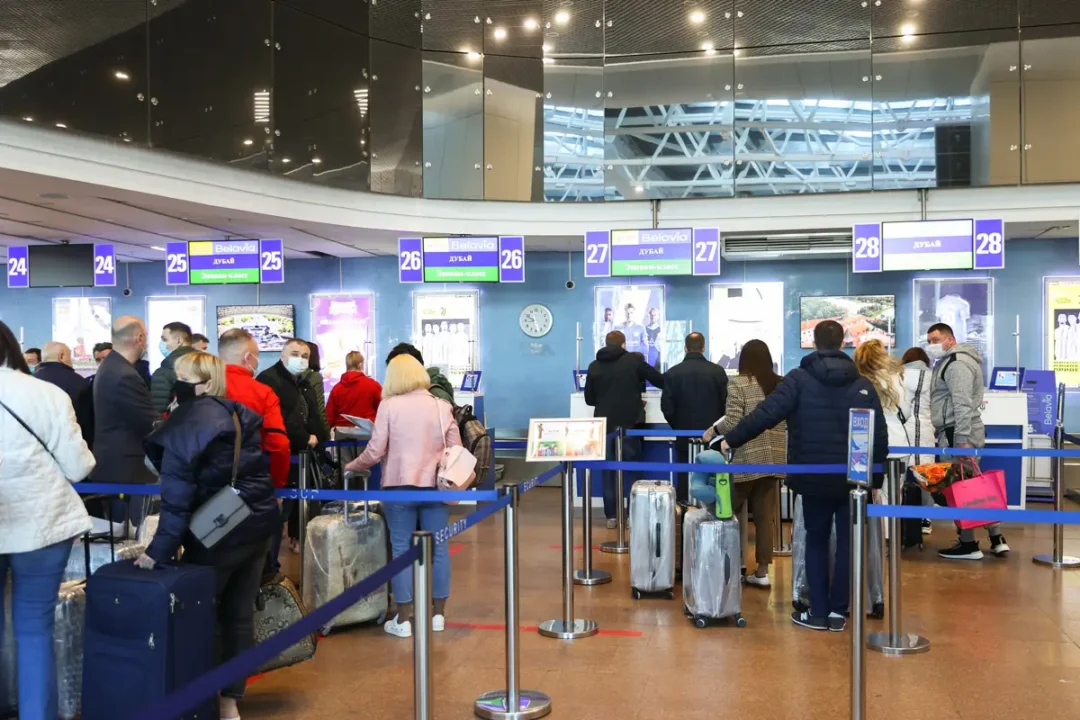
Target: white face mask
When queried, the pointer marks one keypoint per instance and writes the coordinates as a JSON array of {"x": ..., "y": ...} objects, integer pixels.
[
  {"x": 254, "y": 368},
  {"x": 936, "y": 351},
  {"x": 296, "y": 365}
]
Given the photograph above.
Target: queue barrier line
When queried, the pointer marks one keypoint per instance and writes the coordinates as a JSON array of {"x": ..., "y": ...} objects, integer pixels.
[
  {"x": 985, "y": 452},
  {"x": 510, "y": 444},
  {"x": 116, "y": 489},
  {"x": 664, "y": 433},
  {"x": 248, "y": 662},
  {"x": 388, "y": 496},
  {"x": 1034, "y": 517},
  {"x": 666, "y": 468},
  {"x": 528, "y": 485}
]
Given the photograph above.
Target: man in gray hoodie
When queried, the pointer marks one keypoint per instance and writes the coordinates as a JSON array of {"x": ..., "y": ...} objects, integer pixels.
[{"x": 956, "y": 412}]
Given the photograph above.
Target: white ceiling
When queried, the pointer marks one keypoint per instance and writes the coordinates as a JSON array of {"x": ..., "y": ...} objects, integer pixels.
[{"x": 35, "y": 209}]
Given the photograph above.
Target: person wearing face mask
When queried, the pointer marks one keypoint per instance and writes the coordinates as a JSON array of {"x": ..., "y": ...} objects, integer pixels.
[
  {"x": 299, "y": 407},
  {"x": 175, "y": 343},
  {"x": 32, "y": 356},
  {"x": 194, "y": 452},
  {"x": 956, "y": 411},
  {"x": 124, "y": 415}
]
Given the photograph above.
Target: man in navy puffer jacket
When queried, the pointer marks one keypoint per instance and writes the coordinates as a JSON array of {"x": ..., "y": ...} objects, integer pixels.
[{"x": 815, "y": 399}]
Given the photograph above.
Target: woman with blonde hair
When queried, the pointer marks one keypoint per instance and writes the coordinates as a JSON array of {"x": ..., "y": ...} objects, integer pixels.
[
  {"x": 412, "y": 429},
  {"x": 195, "y": 452},
  {"x": 885, "y": 373}
]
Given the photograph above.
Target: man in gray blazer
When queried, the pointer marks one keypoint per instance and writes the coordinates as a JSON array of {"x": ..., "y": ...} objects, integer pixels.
[{"x": 123, "y": 415}]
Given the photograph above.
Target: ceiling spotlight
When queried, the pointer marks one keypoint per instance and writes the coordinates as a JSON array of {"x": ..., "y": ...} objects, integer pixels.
[
  {"x": 697, "y": 17},
  {"x": 531, "y": 24},
  {"x": 316, "y": 161},
  {"x": 121, "y": 75},
  {"x": 249, "y": 141},
  {"x": 285, "y": 161},
  {"x": 472, "y": 55},
  {"x": 62, "y": 126},
  {"x": 546, "y": 48},
  {"x": 159, "y": 249},
  {"x": 708, "y": 47},
  {"x": 500, "y": 33},
  {"x": 639, "y": 188},
  {"x": 562, "y": 17},
  {"x": 549, "y": 61},
  {"x": 28, "y": 119},
  {"x": 907, "y": 30}
]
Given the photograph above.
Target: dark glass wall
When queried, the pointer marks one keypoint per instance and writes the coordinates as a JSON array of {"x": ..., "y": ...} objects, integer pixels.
[{"x": 566, "y": 100}]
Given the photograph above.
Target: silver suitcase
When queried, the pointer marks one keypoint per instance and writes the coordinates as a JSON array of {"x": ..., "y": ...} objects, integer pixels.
[
  {"x": 652, "y": 538},
  {"x": 277, "y": 606},
  {"x": 712, "y": 583},
  {"x": 341, "y": 550},
  {"x": 875, "y": 564},
  {"x": 70, "y": 618},
  {"x": 101, "y": 553}
]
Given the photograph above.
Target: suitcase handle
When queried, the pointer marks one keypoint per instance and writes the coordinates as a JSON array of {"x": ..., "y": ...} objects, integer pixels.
[
  {"x": 658, "y": 541},
  {"x": 345, "y": 477}
]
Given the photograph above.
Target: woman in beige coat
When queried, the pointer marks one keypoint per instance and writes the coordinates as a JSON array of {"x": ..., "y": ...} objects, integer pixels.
[{"x": 755, "y": 381}]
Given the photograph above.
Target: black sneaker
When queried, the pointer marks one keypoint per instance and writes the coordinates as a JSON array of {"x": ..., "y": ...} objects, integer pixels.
[
  {"x": 998, "y": 546},
  {"x": 962, "y": 551},
  {"x": 836, "y": 622},
  {"x": 808, "y": 621},
  {"x": 927, "y": 527}
]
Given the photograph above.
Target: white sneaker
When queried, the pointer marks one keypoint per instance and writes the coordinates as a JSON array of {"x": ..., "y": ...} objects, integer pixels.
[
  {"x": 611, "y": 524},
  {"x": 438, "y": 623},
  {"x": 401, "y": 629},
  {"x": 752, "y": 579}
]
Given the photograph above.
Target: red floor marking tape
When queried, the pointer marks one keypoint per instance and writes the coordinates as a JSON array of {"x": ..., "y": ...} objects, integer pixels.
[
  {"x": 456, "y": 548},
  {"x": 533, "y": 628}
]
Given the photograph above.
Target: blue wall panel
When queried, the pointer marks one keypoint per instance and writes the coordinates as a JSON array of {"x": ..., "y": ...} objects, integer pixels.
[{"x": 526, "y": 378}]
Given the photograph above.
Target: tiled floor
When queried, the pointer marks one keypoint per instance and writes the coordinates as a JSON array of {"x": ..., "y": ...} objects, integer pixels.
[{"x": 1005, "y": 637}]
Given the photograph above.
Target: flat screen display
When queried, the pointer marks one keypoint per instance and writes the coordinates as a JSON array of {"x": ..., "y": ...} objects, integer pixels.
[
  {"x": 928, "y": 245},
  {"x": 638, "y": 253},
  {"x": 863, "y": 317},
  {"x": 461, "y": 259},
  {"x": 61, "y": 265},
  {"x": 270, "y": 325}
]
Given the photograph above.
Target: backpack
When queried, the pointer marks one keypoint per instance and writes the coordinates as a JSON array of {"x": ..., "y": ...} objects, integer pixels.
[{"x": 475, "y": 439}]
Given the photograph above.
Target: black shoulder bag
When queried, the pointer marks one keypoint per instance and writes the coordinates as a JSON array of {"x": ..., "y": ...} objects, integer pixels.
[{"x": 223, "y": 512}]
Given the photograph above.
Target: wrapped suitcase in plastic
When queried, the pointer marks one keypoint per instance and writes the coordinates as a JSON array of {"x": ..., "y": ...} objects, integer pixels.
[
  {"x": 712, "y": 586},
  {"x": 68, "y": 648},
  {"x": 652, "y": 538},
  {"x": 154, "y": 630},
  {"x": 278, "y": 606},
  {"x": 102, "y": 552},
  {"x": 875, "y": 560},
  {"x": 340, "y": 551},
  {"x": 148, "y": 529}
]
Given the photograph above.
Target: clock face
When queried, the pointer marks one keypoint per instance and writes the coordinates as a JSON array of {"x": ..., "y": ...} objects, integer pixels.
[{"x": 535, "y": 321}]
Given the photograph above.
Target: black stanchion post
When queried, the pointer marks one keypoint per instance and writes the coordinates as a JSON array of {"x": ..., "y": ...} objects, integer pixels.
[
  {"x": 424, "y": 691},
  {"x": 858, "y": 594},
  {"x": 301, "y": 508},
  {"x": 618, "y": 546},
  {"x": 568, "y": 627},
  {"x": 513, "y": 703},
  {"x": 1058, "y": 559},
  {"x": 587, "y": 575},
  {"x": 895, "y": 641}
]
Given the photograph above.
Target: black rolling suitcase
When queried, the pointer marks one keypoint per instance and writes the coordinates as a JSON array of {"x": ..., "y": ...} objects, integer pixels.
[{"x": 911, "y": 528}]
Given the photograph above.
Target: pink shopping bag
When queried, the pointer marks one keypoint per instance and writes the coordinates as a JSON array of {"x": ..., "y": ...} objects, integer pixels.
[{"x": 985, "y": 491}]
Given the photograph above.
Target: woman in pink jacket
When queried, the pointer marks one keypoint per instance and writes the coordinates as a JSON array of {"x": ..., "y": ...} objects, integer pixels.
[{"x": 412, "y": 428}]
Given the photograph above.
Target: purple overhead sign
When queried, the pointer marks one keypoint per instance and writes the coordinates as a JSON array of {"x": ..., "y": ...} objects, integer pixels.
[
  {"x": 598, "y": 253},
  {"x": 866, "y": 248},
  {"x": 410, "y": 260},
  {"x": 989, "y": 244},
  {"x": 104, "y": 266},
  {"x": 18, "y": 266}
]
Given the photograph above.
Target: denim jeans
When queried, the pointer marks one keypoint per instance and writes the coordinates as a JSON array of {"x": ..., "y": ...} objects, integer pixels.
[
  {"x": 401, "y": 520},
  {"x": 36, "y": 577},
  {"x": 820, "y": 515},
  {"x": 631, "y": 452}
]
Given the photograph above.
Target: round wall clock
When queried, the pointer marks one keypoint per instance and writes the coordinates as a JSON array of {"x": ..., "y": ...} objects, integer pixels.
[{"x": 535, "y": 320}]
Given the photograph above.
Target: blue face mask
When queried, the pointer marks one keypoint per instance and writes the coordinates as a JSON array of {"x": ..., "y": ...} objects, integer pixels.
[
  {"x": 296, "y": 365},
  {"x": 163, "y": 348}
]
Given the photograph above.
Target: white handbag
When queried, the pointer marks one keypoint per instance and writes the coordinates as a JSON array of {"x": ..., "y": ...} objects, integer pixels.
[{"x": 457, "y": 466}]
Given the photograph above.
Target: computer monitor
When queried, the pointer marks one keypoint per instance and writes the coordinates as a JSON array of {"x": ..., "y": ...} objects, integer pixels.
[{"x": 1006, "y": 378}]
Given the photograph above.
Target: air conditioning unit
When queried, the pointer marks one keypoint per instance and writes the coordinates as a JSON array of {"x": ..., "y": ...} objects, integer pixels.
[{"x": 796, "y": 245}]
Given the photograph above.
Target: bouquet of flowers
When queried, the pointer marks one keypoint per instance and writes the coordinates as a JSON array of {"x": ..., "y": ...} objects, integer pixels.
[{"x": 935, "y": 477}]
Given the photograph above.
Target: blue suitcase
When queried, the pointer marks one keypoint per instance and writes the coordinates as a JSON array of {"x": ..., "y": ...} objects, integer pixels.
[{"x": 147, "y": 633}]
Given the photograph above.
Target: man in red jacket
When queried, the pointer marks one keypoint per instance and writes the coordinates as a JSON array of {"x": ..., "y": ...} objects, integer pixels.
[
  {"x": 356, "y": 394},
  {"x": 238, "y": 349}
]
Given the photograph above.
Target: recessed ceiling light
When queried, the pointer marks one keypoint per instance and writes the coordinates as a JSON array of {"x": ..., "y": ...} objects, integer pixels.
[
  {"x": 316, "y": 161},
  {"x": 285, "y": 161},
  {"x": 708, "y": 47},
  {"x": 562, "y": 17},
  {"x": 697, "y": 17},
  {"x": 907, "y": 29},
  {"x": 500, "y": 33},
  {"x": 546, "y": 48},
  {"x": 28, "y": 119},
  {"x": 531, "y": 24},
  {"x": 121, "y": 75},
  {"x": 549, "y": 61},
  {"x": 249, "y": 141},
  {"x": 61, "y": 125},
  {"x": 473, "y": 55},
  {"x": 639, "y": 188},
  {"x": 159, "y": 249}
]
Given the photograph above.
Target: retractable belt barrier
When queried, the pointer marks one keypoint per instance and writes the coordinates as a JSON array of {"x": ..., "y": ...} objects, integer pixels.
[{"x": 513, "y": 700}]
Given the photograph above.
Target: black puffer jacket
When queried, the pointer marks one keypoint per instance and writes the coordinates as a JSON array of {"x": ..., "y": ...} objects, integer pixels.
[
  {"x": 614, "y": 385},
  {"x": 193, "y": 451},
  {"x": 163, "y": 380},
  {"x": 815, "y": 399}
]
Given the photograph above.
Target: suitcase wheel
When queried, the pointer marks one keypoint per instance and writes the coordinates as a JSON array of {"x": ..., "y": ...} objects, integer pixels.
[
  {"x": 701, "y": 622},
  {"x": 670, "y": 594},
  {"x": 686, "y": 612},
  {"x": 878, "y": 611},
  {"x": 635, "y": 593},
  {"x": 740, "y": 621}
]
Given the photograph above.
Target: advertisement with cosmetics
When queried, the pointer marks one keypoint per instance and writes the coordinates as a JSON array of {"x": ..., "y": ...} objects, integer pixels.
[
  {"x": 1062, "y": 311},
  {"x": 445, "y": 330},
  {"x": 80, "y": 323},
  {"x": 740, "y": 313},
  {"x": 340, "y": 324}
]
